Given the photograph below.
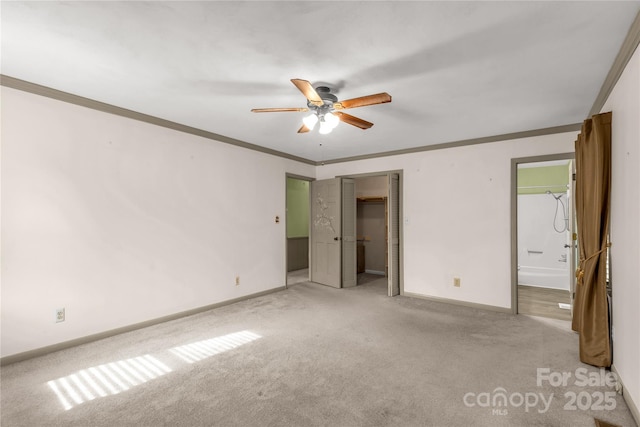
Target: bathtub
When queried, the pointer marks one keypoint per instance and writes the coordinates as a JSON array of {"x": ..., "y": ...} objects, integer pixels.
[{"x": 544, "y": 277}]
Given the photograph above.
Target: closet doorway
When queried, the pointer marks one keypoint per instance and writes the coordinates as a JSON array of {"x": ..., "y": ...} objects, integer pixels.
[
  {"x": 371, "y": 228},
  {"x": 378, "y": 231},
  {"x": 380, "y": 201}
]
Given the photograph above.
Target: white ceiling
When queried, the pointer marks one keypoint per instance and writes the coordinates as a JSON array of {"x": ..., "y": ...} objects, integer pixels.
[{"x": 455, "y": 70}]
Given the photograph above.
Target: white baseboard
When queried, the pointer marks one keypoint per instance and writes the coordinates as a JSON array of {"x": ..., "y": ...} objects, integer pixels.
[
  {"x": 628, "y": 399},
  {"x": 379, "y": 273},
  {"x": 19, "y": 357},
  {"x": 458, "y": 302}
]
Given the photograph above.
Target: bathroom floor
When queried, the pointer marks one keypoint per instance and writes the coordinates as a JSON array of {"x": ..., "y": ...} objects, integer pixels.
[{"x": 543, "y": 302}]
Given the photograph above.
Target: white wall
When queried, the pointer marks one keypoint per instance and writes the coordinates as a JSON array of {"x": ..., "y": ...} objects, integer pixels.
[
  {"x": 372, "y": 186},
  {"x": 120, "y": 221},
  {"x": 371, "y": 226},
  {"x": 624, "y": 102},
  {"x": 457, "y": 215},
  {"x": 371, "y": 221}
]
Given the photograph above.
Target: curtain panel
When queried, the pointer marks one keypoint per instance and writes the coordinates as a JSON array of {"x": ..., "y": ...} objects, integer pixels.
[{"x": 593, "y": 188}]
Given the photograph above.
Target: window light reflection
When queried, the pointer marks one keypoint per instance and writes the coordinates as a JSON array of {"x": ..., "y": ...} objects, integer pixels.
[
  {"x": 115, "y": 377},
  {"x": 100, "y": 381},
  {"x": 201, "y": 350}
]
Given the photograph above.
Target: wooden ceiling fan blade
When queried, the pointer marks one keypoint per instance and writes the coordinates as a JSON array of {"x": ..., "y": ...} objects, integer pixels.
[
  {"x": 378, "y": 98},
  {"x": 303, "y": 129},
  {"x": 308, "y": 91},
  {"x": 352, "y": 120},
  {"x": 278, "y": 110}
]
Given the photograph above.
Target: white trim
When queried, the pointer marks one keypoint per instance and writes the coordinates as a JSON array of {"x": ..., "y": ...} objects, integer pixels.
[
  {"x": 379, "y": 273},
  {"x": 459, "y": 302},
  {"x": 627, "y": 398},
  {"x": 19, "y": 357}
]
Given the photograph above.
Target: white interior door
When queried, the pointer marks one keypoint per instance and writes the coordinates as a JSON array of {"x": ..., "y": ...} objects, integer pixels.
[
  {"x": 393, "y": 238},
  {"x": 349, "y": 239},
  {"x": 325, "y": 232}
]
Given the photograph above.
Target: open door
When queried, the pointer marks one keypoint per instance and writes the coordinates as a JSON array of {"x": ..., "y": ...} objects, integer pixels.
[
  {"x": 393, "y": 239},
  {"x": 333, "y": 232}
]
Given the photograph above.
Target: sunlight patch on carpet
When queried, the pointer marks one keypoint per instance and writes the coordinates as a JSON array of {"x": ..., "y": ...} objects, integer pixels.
[
  {"x": 107, "y": 379},
  {"x": 115, "y": 377},
  {"x": 200, "y": 350}
]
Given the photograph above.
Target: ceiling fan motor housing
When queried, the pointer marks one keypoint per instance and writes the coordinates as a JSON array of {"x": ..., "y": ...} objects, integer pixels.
[{"x": 327, "y": 97}]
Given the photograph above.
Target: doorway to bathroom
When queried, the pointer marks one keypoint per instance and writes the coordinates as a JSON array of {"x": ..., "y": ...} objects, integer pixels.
[{"x": 544, "y": 236}]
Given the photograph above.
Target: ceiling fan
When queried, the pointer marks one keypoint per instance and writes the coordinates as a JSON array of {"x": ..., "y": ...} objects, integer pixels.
[{"x": 326, "y": 109}]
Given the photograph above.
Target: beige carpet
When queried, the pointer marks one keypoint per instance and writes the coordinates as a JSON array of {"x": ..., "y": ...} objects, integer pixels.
[
  {"x": 311, "y": 355},
  {"x": 297, "y": 276}
]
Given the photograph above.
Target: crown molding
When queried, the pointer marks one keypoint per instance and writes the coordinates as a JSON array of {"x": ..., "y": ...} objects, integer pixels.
[
  {"x": 629, "y": 46},
  {"x": 462, "y": 143},
  {"x": 48, "y": 92}
]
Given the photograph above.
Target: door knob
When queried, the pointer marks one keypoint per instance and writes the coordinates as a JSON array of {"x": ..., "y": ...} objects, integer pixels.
[{"x": 337, "y": 238}]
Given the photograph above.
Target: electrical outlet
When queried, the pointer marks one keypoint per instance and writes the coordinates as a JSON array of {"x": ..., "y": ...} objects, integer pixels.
[
  {"x": 59, "y": 315},
  {"x": 456, "y": 282},
  {"x": 237, "y": 280}
]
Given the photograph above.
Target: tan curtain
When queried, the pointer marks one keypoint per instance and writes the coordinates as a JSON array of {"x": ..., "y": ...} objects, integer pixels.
[{"x": 593, "y": 183}]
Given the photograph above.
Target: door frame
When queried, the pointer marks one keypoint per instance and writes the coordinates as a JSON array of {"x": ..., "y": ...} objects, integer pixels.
[
  {"x": 388, "y": 174},
  {"x": 514, "y": 219},
  {"x": 286, "y": 219}
]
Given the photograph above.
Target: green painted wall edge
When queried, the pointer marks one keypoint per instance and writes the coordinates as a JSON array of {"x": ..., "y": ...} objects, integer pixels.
[
  {"x": 297, "y": 208},
  {"x": 539, "y": 180}
]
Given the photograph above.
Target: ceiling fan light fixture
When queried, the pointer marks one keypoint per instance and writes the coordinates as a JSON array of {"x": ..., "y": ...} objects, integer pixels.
[
  {"x": 310, "y": 121},
  {"x": 325, "y": 128},
  {"x": 331, "y": 119}
]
